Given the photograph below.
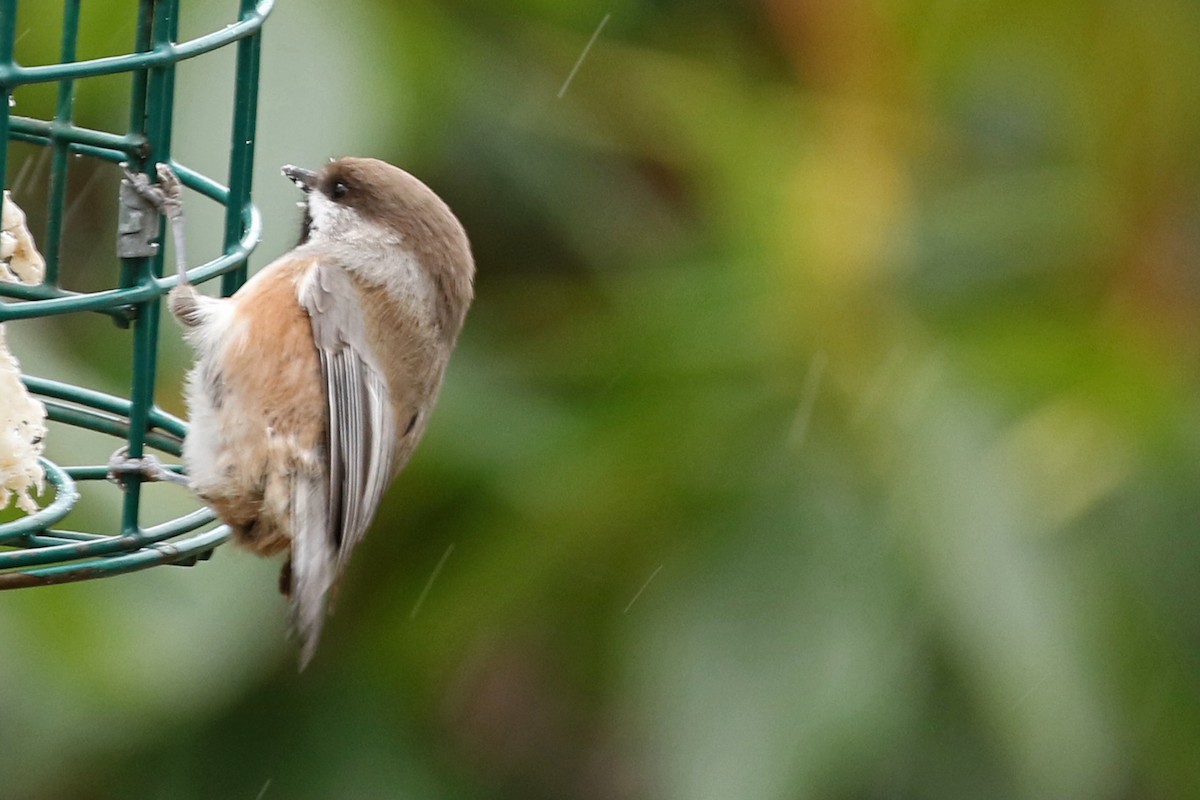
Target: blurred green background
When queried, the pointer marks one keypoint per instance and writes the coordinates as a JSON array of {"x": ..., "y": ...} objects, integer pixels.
[{"x": 826, "y": 426}]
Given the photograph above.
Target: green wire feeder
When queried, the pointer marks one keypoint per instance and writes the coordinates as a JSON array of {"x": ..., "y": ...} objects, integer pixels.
[{"x": 35, "y": 550}]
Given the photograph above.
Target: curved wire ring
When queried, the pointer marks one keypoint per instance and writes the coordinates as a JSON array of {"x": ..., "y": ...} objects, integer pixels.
[
  {"x": 51, "y": 300},
  {"x": 47, "y": 556},
  {"x": 162, "y": 55}
]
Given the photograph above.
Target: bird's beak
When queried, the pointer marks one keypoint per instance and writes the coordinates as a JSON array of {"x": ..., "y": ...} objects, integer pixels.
[{"x": 304, "y": 178}]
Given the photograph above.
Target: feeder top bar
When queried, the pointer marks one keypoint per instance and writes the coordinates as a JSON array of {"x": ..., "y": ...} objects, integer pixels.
[{"x": 13, "y": 74}]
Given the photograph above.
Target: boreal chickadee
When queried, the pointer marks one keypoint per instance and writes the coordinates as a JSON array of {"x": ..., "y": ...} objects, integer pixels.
[{"x": 315, "y": 381}]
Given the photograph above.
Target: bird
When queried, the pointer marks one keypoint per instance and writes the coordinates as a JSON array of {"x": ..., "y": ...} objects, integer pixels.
[{"x": 314, "y": 382}]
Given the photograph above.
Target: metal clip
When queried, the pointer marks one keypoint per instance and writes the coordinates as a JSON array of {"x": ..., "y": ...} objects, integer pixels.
[{"x": 137, "y": 224}]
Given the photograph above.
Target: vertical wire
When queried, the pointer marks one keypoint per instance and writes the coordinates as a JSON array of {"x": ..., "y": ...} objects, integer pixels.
[
  {"x": 241, "y": 147},
  {"x": 141, "y": 44},
  {"x": 59, "y": 163},
  {"x": 160, "y": 88},
  {"x": 8, "y": 30},
  {"x": 132, "y": 267}
]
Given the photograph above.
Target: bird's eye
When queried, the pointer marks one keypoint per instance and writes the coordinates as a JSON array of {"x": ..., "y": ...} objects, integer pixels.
[{"x": 339, "y": 190}]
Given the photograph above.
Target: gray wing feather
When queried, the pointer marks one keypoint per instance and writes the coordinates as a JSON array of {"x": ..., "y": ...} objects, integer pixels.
[
  {"x": 362, "y": 427},
  {"x": 312, "y": 559}
]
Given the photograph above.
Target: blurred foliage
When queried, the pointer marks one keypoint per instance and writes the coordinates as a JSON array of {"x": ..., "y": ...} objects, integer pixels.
[{"x": 826, "y": 424}]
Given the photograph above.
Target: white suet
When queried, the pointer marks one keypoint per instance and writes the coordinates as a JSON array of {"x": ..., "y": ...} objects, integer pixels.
[{"x": 22, "y": 418}]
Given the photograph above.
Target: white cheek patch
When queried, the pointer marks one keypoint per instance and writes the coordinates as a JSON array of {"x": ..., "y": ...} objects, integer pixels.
[
  {"x": 376, "y": 255},
  {"x": 403, "y": 276},
  {"x": 328, "y": 218}
]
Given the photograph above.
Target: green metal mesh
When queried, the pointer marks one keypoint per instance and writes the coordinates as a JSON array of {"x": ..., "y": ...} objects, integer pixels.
[{"x": 38, "y": 550}]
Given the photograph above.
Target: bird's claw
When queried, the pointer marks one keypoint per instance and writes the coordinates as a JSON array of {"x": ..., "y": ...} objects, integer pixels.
[
  {"x": 166, "y": 195},
  {"x": 148, "y": 468}
]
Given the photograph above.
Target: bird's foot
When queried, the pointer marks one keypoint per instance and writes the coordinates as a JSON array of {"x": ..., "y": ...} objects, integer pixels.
[
  {"x": 148, "y": 468},
  {"x": 167, "y": 197}
]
